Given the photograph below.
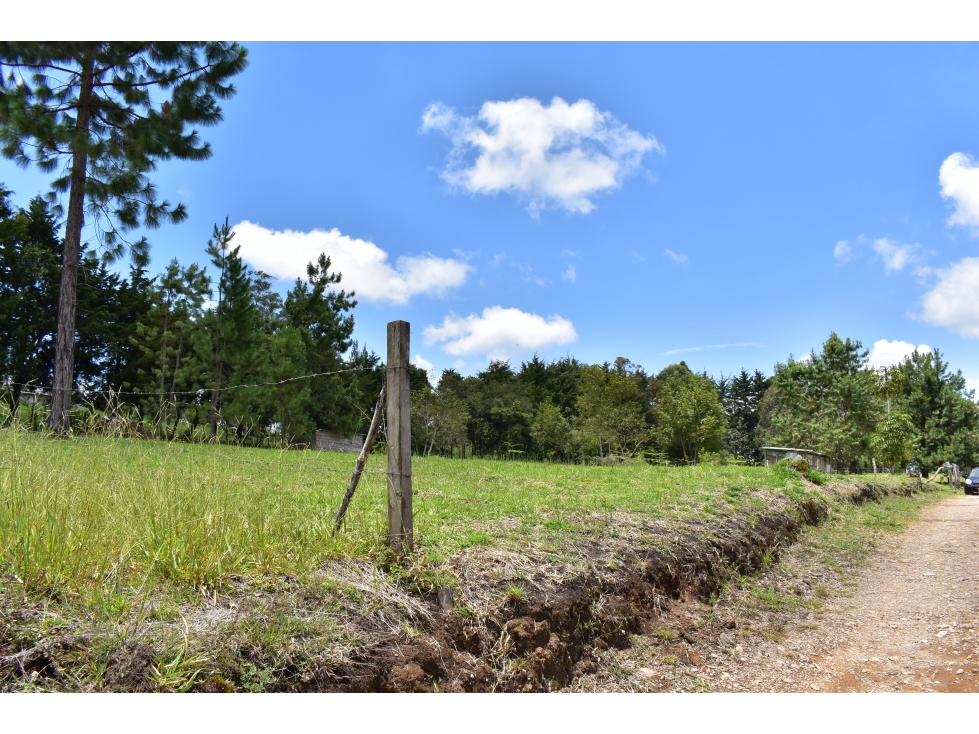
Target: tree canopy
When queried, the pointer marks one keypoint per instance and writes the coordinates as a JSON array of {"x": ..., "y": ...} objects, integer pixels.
[{"x": 99, "y": 115}]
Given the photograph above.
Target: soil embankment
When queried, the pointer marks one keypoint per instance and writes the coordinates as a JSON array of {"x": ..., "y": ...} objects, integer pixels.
[{"x": 580, "y": 630}]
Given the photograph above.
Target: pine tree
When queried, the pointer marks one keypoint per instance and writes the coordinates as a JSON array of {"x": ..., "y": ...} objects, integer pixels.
[
  {"x": 942, "y": 411},
  {"x": 164, "y": 336},
  {"x": 229, "y": 329},
  {"x": 29, "y": 248},
  {"x": 93, "y": 111},
  {"x": 825, "y": 403},
  {"x": 741, "y": 396},
  {"x": 131, "y": 301},
  {"x": 319, "y": 311}
]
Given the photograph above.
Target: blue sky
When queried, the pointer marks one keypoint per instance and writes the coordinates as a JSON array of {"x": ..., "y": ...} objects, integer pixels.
[{"x": 682, "y": 201}]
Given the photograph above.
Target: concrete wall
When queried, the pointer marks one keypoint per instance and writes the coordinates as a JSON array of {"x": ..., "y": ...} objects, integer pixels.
[{"x": 333, "y": 441}]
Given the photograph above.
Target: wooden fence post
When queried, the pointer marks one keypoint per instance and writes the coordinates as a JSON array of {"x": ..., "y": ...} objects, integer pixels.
[{"x": 398, "y": 420}]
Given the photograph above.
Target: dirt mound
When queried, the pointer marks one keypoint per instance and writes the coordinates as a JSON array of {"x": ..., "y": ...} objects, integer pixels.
[{"x": 130, "y": 668}]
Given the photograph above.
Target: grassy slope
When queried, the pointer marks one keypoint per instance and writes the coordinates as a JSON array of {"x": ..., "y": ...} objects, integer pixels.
[{"x": 116, "y": 532}]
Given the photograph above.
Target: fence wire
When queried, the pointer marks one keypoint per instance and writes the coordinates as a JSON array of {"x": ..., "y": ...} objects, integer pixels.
[{"x": 46, "y": 389}]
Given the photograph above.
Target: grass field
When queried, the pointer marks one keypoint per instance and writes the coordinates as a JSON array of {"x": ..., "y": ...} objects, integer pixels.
[
  {"x": 109, "y": 540},
  {"x": 86, "y": 512}
]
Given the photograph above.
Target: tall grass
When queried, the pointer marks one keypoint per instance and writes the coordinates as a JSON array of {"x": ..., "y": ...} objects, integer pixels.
[
  {"x": 80, "y": 512},
  {"x": 95, "y": 512}
]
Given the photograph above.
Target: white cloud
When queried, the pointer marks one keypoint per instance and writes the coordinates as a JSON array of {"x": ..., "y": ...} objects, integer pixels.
[
  {"x": 895, "y": 256},
  {"x": 677, "y": 257},
  {"x": 885, "y": 353},
  {"x": 570, "y": 274},
  {"x": 959, "y": 179},
  {"x": 842, "y": 251},
  {"x": 558, "y": 155},
  {"x": 951, "y": 302},
  {"x": 364, "y": 265},
  {"x": 500, "y": 333},
  {"x": 421, "y": 363}
]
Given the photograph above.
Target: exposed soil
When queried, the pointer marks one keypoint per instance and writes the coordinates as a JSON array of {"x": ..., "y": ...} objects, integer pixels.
[{"x": 571, "y": 629}]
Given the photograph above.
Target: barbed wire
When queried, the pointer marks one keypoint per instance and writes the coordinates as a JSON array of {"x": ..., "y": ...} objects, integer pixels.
[{"x": 46, "y": 389}]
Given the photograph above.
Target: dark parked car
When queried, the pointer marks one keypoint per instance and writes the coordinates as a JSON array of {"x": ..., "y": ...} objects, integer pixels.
[{"x": 972, "y": 482}]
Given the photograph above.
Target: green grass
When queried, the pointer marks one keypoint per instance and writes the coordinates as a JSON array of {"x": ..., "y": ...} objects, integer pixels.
[
  {"x": 97, "y": 514},
  {"x": 117, "y": 540}
]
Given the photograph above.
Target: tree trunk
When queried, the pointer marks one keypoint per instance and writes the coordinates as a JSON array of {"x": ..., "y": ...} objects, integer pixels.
[{"x": 64, "y": 354}]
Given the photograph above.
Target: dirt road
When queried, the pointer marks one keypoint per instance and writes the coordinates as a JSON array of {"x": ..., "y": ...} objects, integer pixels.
[
  {"x": 907, "y": 622},
  {"x": 910, "y": 625}
]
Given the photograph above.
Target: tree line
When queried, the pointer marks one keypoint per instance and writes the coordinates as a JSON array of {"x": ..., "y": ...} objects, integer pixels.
[
  {"x": 831, "y": 401},
  {"x": 171, "y": 351},
  {"x": 189, "y": 356}
]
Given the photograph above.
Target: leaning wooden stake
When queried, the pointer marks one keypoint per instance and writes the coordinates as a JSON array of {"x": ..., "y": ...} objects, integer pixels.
[
  {"x": 398, "y": 412},
  {"x": 361, "y": 460}
]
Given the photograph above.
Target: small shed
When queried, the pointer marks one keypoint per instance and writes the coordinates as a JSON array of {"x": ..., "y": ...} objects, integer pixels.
[
  {"x": 334, "y": 441},
  {"x": 816, "y": 460}
]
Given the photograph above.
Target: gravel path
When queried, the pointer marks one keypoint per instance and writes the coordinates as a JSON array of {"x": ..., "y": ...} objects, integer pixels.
[
  {"x": 906, "y": 622},
  {"x": 910, "y": 625}
]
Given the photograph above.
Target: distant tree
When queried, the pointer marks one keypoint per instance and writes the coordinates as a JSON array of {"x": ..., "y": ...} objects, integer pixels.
[
  {"x": 550, "y": 432},
  {"x": 741, "y": 395},
  {"x": 888, "y": 384},
  {"x": 500, "y": 411},
  {"x": 610, "y": 411},
  {"x": 689, "y": 414},
  {"x": 825, "y": 403},
  {"x": 29, "y": 274},
  {"x": 128, "y": 302},
  {"x": 893, "y": 441},
  {"x": 29, "y": 269},
  {"x": 365, "y": 383},
  {"x": 165, "y": 337},
  {"x": 441, "y": 416},
  {"x": 229, "y": 341},
  {"x": 555, "y": 382},
  {"x": 320, "y": 312},
  {"x": 102, "y": 113},
  {"x": 942, "y": 411},
  {"x": 269, "y": 315},
  {"x": 288, "y": 398}
]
